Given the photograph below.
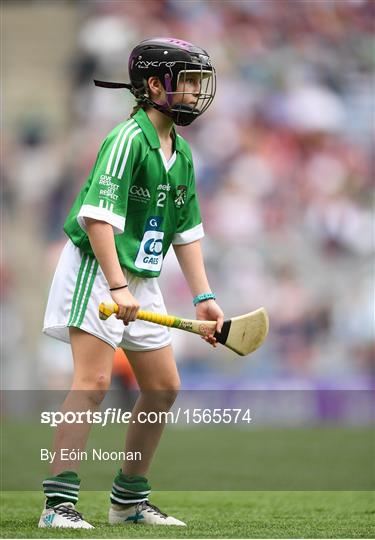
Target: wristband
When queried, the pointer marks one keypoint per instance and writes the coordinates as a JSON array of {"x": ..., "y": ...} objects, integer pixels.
[
  {"x": 203, "y": 297},
  {"x": 117, "y": 288}
]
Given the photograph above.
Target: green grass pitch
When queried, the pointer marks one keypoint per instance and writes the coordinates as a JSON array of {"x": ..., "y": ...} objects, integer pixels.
[
  {"x": 208, "y": 514},
  {"x": 195, "y": 460}
]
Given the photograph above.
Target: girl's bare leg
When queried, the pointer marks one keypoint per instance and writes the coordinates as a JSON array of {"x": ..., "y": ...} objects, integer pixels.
[
  {"x": 92, "y": 376},
  {"x": 159, "y": 383}
]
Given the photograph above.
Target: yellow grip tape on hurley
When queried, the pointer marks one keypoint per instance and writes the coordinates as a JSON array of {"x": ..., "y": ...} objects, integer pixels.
[{"x": 108, "y": 309}]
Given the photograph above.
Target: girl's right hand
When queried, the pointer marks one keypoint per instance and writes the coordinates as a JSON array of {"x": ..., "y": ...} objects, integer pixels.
[{"x": 128, "y": 306}]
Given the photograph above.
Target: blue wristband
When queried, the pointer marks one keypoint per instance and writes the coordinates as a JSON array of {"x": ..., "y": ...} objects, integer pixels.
[{"x": 202, "y": 297}]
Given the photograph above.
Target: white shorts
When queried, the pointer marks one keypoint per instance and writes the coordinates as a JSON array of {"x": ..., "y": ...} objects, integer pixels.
[{"x": 77, "y": 289}]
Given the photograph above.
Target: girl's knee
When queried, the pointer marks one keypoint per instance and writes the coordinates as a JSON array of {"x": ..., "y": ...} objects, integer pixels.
[
  {"x": 168, "y": 397},
  {"x": 162, "y": 399},
  {"x": 94, "y": 386}
]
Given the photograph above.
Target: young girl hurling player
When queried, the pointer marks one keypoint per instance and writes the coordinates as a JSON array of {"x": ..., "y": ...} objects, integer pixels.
[{"x": 139, "y": 198}]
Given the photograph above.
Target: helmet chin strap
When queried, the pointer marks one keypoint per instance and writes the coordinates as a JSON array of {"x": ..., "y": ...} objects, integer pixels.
[{"x": 181, "y": 113}]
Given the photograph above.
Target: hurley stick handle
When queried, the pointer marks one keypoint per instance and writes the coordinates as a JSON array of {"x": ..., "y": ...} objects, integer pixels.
[
  {"x": 106, "y": 310},
  {"x": 197, "y": 327}
]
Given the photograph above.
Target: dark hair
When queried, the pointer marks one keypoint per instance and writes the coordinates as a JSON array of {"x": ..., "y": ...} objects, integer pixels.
[{"x": 137, "y": 107}]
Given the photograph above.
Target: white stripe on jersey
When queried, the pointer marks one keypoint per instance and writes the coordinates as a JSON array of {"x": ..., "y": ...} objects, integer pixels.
[
  {"x": 101, "y": 203},
  {"x": 127, "y": 151},
  {"x": 109, "y": 164},
  {"x": 119, "y": 152}
]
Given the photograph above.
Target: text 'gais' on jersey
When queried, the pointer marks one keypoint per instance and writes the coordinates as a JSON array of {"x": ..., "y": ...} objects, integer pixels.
[{"x": 150, "y": 203}]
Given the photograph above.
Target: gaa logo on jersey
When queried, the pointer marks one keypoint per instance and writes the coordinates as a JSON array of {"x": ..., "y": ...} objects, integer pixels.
[
  {"x": 180, "y": 196},
  {"x": 139, "y": 193}
]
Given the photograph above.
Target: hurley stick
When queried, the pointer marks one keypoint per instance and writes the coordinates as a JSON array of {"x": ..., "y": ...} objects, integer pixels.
[{"x": 243, "y": 334}]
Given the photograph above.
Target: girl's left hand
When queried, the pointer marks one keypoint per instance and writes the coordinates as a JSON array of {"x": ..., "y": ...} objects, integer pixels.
[{"x": 210, "y": 311}]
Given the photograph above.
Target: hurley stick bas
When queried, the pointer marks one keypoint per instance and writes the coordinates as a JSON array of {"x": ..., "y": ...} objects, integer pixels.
[{"x": 243, "y": 334}]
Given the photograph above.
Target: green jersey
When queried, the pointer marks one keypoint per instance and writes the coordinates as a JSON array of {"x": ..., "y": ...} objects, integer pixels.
[{"x": 150, "y": 202}]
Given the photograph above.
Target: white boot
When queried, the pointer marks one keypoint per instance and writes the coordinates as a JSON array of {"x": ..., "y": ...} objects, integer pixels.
[
  {"x": 141, "y": 513},
  {"x": 63, "y": 515}
]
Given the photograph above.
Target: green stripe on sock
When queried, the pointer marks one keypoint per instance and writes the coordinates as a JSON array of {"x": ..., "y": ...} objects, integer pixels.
[
  {"x": 51, "y": 484},
  {"x": 119, "y": 489},
  {"x": 54, "y": 489},
  {"x": 131, "y": 482},
  {"x": 126, "y": 493},
  {"x": 88, "y": 293},
  {"x": 54, "y": 500},
  {"x": 126, "y": 502},
  {"x": 68, "y": 477},
  {"x": 77, "y": 288},
  {"x": 61, "y": 495},
  {"x": 62, "y": 487},
  {"x": 137, "y": 489}
]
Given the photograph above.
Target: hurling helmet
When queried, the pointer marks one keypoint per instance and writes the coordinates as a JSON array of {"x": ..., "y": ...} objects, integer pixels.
[{"x": 171, "y": 60}]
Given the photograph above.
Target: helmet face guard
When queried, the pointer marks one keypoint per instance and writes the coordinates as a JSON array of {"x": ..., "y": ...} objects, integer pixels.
[
  {"x": 176, "y": 92},
  {"x": 172, "y": 61}
]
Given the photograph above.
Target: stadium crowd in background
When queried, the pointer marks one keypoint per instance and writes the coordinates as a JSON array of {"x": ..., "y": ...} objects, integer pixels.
[{"x": 282, "y": 165}]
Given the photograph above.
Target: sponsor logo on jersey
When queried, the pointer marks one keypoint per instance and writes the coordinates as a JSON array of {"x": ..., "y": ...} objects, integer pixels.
[
  {"x": 153, "y": 246},
  {"x": 180, "y": 196},
  {"x": 164, "y": 187},
  {"x": 138, "y": 193},
  {"x": 150, "y": 253},
  {"x": 154, "y": 223}
]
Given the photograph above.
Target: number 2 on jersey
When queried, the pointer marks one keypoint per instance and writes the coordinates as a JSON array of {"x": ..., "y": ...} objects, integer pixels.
[{"x": 161, "y": 198}]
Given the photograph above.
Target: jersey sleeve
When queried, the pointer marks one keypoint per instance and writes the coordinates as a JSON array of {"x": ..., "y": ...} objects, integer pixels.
[
  {"x": 189, "y": 226},
  {"x": 107, "y": 196}
]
